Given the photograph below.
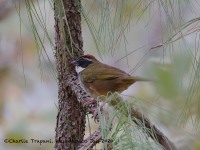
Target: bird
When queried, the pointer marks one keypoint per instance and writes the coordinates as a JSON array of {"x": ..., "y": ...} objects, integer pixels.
[{"x": 99, "y": 79}]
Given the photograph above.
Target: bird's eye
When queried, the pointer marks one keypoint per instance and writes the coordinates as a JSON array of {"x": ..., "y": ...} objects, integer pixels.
[
  {"x": 81, "y": 61},
  {"x": 84, "y": 62}
]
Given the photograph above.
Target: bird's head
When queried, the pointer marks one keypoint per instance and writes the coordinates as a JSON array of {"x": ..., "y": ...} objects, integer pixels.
[{"x": 84, "y": 61}]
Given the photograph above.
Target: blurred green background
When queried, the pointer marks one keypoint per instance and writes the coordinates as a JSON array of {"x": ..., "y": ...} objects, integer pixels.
[{"x": 154, "y": 39}]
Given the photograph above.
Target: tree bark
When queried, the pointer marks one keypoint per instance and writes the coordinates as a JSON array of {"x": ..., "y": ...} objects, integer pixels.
[{"x": 70, "y": 125}]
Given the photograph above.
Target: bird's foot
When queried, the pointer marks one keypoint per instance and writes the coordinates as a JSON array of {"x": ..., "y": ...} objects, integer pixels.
[
  {"x": 95, "y": 112},
  {"x": 89, "y": 101},
  {"x": 95, "y": 115}
]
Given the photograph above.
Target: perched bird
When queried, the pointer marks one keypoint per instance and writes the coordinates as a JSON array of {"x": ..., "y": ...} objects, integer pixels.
[{"x": 98, "y": 79}]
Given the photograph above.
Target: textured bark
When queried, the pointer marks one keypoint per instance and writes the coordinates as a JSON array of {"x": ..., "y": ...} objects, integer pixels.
[
  {"x": 70, "y": 125},
  {"x": 91, "y": 141}
]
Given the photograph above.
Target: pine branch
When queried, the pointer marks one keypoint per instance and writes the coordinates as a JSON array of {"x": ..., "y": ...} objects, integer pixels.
[
  {"x": 91, "y": 141},
  {"x": 138, "y": 118}
]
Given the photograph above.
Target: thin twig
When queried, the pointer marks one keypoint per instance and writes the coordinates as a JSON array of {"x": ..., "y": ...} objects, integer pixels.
[
  {"x": 138, "y": 118},
  {"x": 156, "y": 134},
  {"x": 91, "y": 141}
]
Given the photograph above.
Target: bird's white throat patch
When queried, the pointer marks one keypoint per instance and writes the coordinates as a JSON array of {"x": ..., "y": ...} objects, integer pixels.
[{"x": 79, "y": 69}]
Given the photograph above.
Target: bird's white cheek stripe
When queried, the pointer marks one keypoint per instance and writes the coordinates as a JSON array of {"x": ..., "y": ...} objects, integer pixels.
[{"x": 79, "y": 69}]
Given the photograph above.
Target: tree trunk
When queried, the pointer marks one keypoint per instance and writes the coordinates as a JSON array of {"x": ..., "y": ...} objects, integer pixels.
[{"x": 70, "y": 125}]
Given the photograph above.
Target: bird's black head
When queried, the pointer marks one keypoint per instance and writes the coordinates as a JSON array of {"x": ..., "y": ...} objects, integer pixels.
[{"x": 84, "y": 61}]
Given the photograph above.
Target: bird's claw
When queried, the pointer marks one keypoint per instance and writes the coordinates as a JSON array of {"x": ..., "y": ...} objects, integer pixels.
[
  {"x": 95, "y": 113},
  {"x": 89, "y": 101}
]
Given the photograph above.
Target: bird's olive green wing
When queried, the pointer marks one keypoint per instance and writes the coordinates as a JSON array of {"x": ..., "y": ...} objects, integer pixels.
[
  {"x": 99, "y": 79},
  {"x": 103, "y": 72},
  {"x": 104, "y": 79}
]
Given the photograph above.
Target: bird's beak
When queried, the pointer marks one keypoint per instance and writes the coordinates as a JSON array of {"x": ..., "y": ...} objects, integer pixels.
[{"x": 74, "y": 62}]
